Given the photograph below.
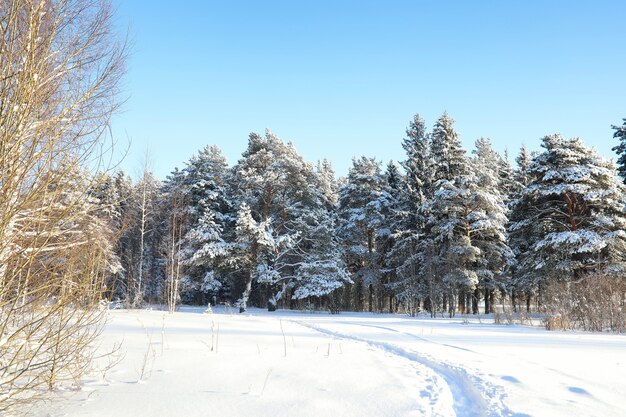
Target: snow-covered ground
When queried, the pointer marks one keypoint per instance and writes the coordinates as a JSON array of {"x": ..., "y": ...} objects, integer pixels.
[{"x": 300, "y": 364}]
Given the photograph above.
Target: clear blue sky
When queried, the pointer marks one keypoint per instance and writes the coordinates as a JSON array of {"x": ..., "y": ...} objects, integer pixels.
[{"x": 344, "y": 78}]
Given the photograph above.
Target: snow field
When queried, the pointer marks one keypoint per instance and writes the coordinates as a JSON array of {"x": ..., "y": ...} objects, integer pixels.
[{"x": 345, "y": 365}]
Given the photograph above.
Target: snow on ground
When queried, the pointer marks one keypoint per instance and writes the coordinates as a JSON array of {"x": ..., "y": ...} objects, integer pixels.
[{"x": 352, "y": 364}]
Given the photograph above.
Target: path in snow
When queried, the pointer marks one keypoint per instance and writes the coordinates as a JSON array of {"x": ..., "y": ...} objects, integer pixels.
[
  {"x": 501, "y": 370},
  {"x": 468, "y": 399}
]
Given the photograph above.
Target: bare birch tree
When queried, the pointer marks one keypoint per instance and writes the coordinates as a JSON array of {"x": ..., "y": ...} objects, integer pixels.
[{"x": 60, "y": 67}]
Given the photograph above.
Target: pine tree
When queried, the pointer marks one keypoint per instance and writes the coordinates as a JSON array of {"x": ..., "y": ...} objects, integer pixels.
[
  {"x": 322, "y": 270},
  {"x": 463, "y": 246},
  {"x": 122, "y": 285},
  {"x": 326, "y": 182},
  {"x": 282, "y": 212},
  {"x": 518, "y": 236},
  {"x": 620, "y": 133},
  {"x": 506, "y": 180},
  {"x": 210, "y": 217},
  {"x": 520, "y": 174},
  {"x": 362, "y": 206},
  {"x": 488, "y": 221},
  {"x": 572, "y": 216},
  {"x": 393, "y": 183},
  {"x": 445, "y": 249}
]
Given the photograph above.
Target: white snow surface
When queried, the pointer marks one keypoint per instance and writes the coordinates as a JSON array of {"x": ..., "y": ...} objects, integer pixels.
[{"x": 351, "y": 364}]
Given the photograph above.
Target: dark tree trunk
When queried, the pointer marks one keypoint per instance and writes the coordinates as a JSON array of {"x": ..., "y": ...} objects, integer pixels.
[
  {"x": 359, "y": 296},
  {"x": 451, "y": 305},
  {"x": 475, "y": 299},
  {"x": 487, "y": 302},
  {"x": 462, "y": 302}
]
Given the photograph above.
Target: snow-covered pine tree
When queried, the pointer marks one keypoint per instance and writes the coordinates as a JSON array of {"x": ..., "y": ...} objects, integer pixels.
[
  {"x": 282, "y": 212},
  {"x": 210, "y": 216},
  {"x": 393, "y": 184},
  {"x": 487, "y": 219},
  {"x": 520, "y": 174},
  {"x": 256, "y": 245},
  {"x": 363, "y": 203},
  {"x": 572, "y": 216},
  {"x": 417, "y": 166},
  {"x": 327, "y": 183},
  {"x": 122, "y": 284},
  {"x": 518, "y": 239},
  {"x": 447, "y": 161},
  {"x": 506, "y": 180},
  {"x": 448, "y": 253},
  {"x": 410, "y": 288},
  {"x": 322, "y": 270},
  {"x": 105, "y": 191},
  {"x": 620, "y": 149},
  {"x": 446, "y": 151}
]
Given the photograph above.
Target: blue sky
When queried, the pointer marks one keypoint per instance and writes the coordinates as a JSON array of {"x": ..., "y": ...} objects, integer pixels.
[{"x": 344, "y": 78}]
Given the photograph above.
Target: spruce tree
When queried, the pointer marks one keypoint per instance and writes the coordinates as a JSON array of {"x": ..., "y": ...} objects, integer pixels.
[
  {"x": 446, "y": 151},
  {"x": 409, "y": 219},
  {"x": 445, "y": 248}
]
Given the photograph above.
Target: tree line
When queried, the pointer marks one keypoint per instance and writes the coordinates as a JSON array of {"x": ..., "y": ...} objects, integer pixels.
[{"x": 443, "y": 231}]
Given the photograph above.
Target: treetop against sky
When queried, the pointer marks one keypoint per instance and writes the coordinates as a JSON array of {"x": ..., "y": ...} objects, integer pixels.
[{"x": 342, "y": 79}]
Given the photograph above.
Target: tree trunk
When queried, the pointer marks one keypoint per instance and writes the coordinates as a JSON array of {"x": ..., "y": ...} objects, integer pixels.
[
  {"x": 475, "y": 299},
  {"x": 243, "y": 302},
  {"x": 462, "y": 302},
  {"x": 451, "y": 305},
  {"x": 514, "y": 301},
  {"x": 487, "y": 302}
]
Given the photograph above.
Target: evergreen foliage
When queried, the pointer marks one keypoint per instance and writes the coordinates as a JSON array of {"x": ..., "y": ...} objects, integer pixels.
[{"x": 441, "y": 232}]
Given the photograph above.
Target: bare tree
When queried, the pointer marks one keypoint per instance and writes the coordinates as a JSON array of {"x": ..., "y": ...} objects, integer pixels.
[
  {"x": 174, "y": 258},
  {"x": 146, "y": 191},
  {"x": 60, "y": 67}
]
